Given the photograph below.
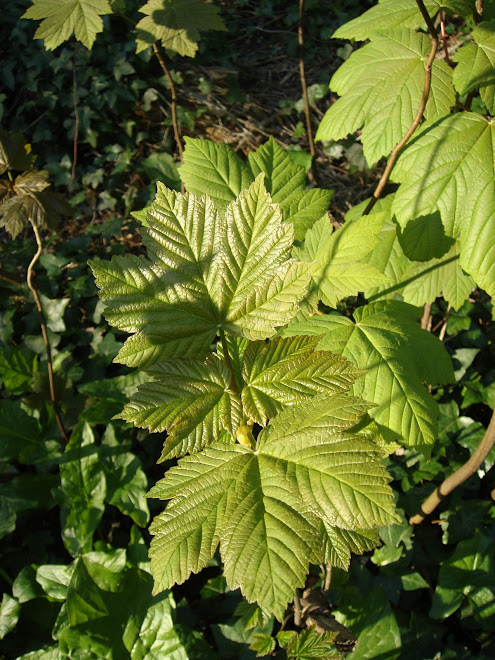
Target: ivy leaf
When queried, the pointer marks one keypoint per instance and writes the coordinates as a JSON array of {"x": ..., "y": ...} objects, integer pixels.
[
  {"x": 191, "y": 399},
  {"x": 64, "y": 17},
  {"x": 450, "y": 167},
  {"x": 263, "y": 506},
  {"x": 176, "y": 23},
  {"x": 338, "y": 254},
  {"x": 385, "y": 339},
  {"x": 14, "y": 153},
  {"x": 285, "y": 372},
  {"x": 17, "y": 365},
  {"x": 386, "y": 15},
  {"x": 381, "y": 86},
  {"x": 10, "y": 610},
  {"x": 207, "y": 273},
  {"x": 476, "y": 65},
  {"x": 126, "y": 481},
  {"x": 84, "y": 488}
]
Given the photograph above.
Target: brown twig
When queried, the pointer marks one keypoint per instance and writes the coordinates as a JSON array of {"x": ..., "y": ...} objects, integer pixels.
[
  {"x": 443, "y": 329},
  {"x": 479, "y": 11},
  {"x": 297, "y": 609},
  {"x": 444, "y": 41},
  {"x": 419, "y": 115},
  {"x": 425, "y": 318},
  {"x": 76, "y": 127},
  {"x": 44, "y": 332},
  {"x": 175, "y": 122},
  {"x": 302, "y": 76},
  {"x": 459, "y": 476}
]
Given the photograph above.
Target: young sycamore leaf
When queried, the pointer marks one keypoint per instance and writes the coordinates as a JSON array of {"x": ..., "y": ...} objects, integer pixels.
[
  {"x": 207, "y": 273},
  {"x": 339, "y": 256},
  {"x": 385, "y": 339},
  {"x": 215, "y": 169},
  {"x": 264, "y": 506},
  {"x": 309, "y": 644},
  {"x": 176, "y": 23},
  {"x": 381, "y": 86},
  {"x": 191, "y": 399},
  {"x": 285, "y": 372},
  {"x": 386, "y": 15},
  {"x": 450, "y": 167},
  {"x": 61, "y": 18},
  {"x": 476, "y": 65}
]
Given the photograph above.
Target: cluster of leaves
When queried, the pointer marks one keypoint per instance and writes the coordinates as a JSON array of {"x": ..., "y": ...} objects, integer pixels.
[{"x": 280, "y": 397}]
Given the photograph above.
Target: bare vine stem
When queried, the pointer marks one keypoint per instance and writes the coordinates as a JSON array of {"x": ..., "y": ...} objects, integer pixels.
[
  {"x": 419, "y": 115},
  {"x": 425, "y": 318},
  {"x": 76, "y": 127},
  {"x": 44, "y": 332},
  {"x": 302, "y": 76},
  {"x": 459, "y": 476},
  {"x": 175, "y": 123}
]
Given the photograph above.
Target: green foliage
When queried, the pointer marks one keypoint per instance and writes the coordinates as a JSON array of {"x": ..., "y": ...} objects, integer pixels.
[
  {"x": 63, "y": 18},
  {"x": 176, "y": 23},
  {"x": 281, "y": 357}
]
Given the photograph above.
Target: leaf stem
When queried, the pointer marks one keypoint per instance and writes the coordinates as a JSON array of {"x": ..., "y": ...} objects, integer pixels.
[
  {"x": 302, "y": 76},
  {"x": 419, "y": 115},
  {"x": 44, "y": 332},
  {"x": 459, "y": 476},
  {"x": 175, "y": 123},
  {"x": 228, "y": 361},
  {"x": 76, "y": 127}
]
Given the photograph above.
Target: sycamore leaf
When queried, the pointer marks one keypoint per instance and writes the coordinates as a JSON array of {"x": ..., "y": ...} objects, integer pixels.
[
  {"x": 339, "y": 543},
  {"x": 340, "y": 271},
  {"x": 450, "y": 168},
  {"x": 381, "y": 86},
  {"x": 386, "y": 15},
  {"x": 309, "y": 644},
  {"x": 263, "y": 506},
  {"x": 285, "y": 372},
  {"x": 216, "y": 170},
  {"x": 392, "y": 14},
  {"x": 386, "y": 339},
  {"x": 424, "y": 282},
  {"x": 476, "y": 65},
  {"x": 61, "y": 18},
  {"x": 176, "y": 23},
  {"x": 192, "y": 400},
  {"x": 207, "y": 273}
]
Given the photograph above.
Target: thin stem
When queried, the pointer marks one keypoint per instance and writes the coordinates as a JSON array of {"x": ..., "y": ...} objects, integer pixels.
[
  {"x": 76, "y": 127},
  {"x": 443, "y": 329},
  {"x": 444, "y": 41},
  {"x": 175, "y": 122},
  {"x": 44, "y": 332},
  {"x": 419, "y": 115},
  {"x": 228, "y": 361},
  {"x": 479, "y": 11},
  {"x": 328, "y": 579},
  {"x": 459, "y": 476},
  {"x": 425, "y": 318},
  {"x": 297, "y": 609},
  {"x": 302, "y": 75}
]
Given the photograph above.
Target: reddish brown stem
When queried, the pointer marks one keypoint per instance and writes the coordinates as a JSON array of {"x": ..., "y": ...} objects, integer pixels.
[
  {"x": 444, "y": 43},
  {"x": 459, "y": 476},
  {"x": 175, "y": 122},
  {"x": 302, "y": 76},
  {"x": 44, "y": 332},
  {"x": 419, "y": 115},
  {"x": 76, "y": 127}
]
